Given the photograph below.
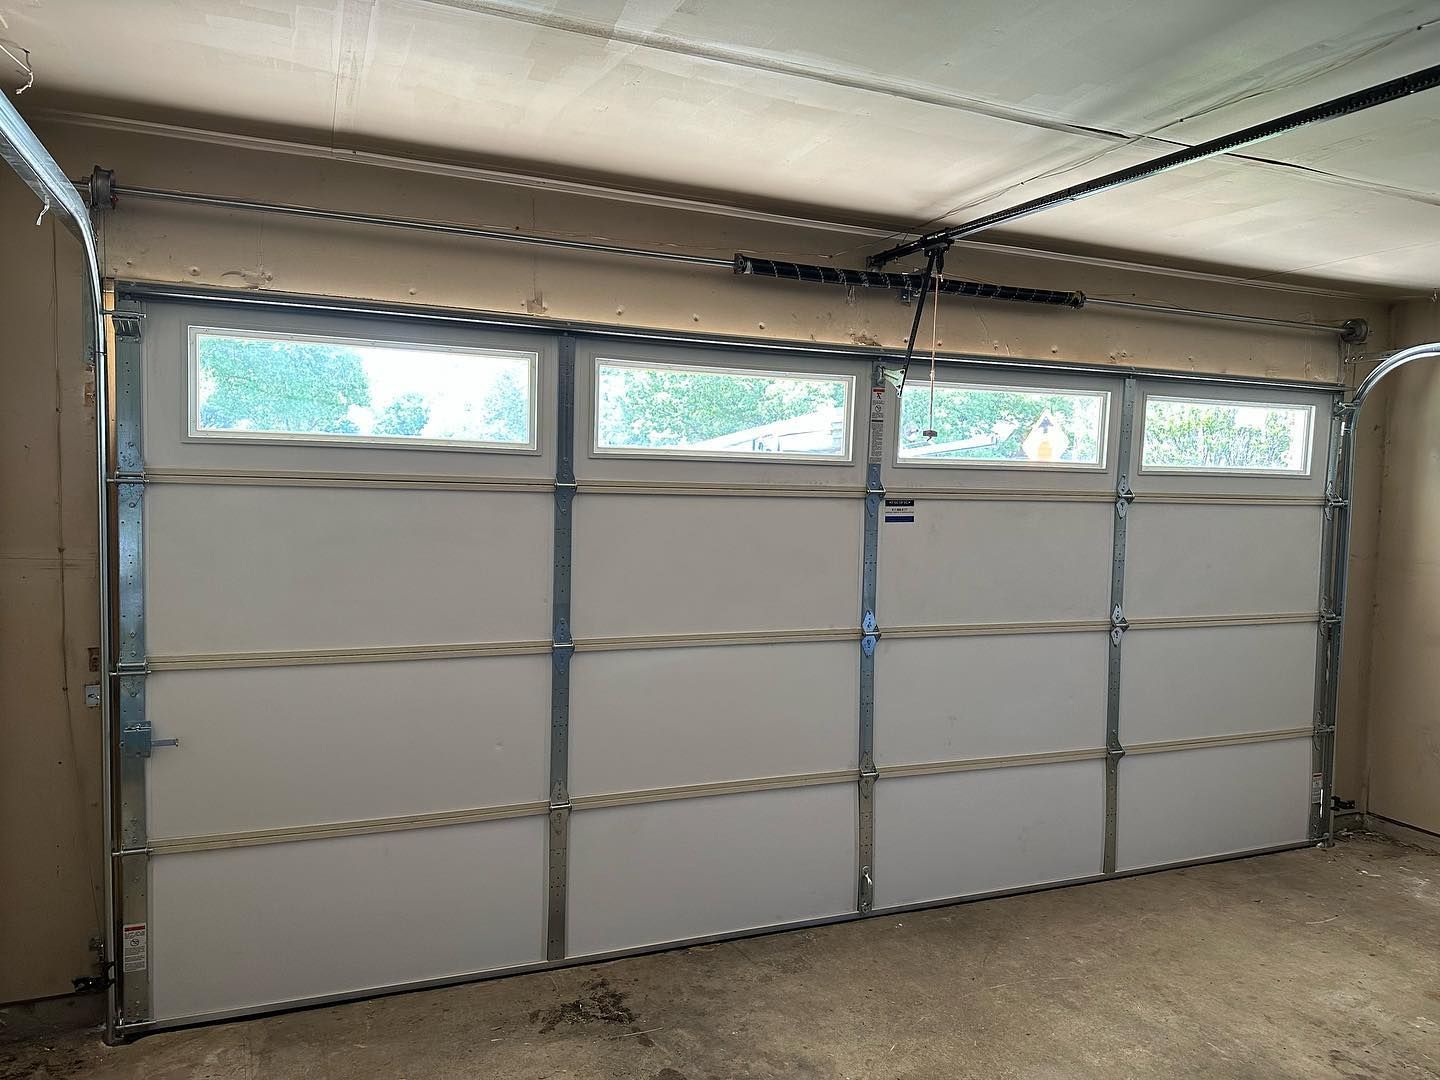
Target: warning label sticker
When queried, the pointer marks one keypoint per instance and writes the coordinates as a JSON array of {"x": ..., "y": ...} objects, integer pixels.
[
  {"x": 877, "y": 403},
  {"x": 1317, "y": 788},
  {"x": 900, "y": 511},
  {"x": 877, "y": 442},
  {"x": 134, "y": 947}
]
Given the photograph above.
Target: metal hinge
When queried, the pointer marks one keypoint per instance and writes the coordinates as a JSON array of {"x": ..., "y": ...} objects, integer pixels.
[
  {"x": 1343, "y": 409},
  {"x": 1329, "y": 620},
  {"x": 1123, "y": 498},
  {"x": 865, "y": 894},
  {"x": 122, "y": 479},
  {"x": 1118, "y": 625}
]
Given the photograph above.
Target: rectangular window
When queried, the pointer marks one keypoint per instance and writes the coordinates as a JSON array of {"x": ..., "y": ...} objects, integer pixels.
[
  {"x": 302, "y": 388},
  {"x": 1203, "y": 435},
  {"x": 1003, "y": 425},
  {"x": 663, "y": 409}
]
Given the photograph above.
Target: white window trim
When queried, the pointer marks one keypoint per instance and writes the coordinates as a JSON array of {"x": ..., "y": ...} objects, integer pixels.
[
  {"x": 1103, "y": 438},
  {"x": 1220, "y": 470},
  {"x": 194, "y": 432},
  {"x": 846, "y": 457}
]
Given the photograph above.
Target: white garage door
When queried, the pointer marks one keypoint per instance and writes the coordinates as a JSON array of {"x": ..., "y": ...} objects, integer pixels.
[{"x": 447, "y": 650}]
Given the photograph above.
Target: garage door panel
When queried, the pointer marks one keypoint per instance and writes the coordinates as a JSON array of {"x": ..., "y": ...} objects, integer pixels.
[
  {"x": 1202, "y": 682},
  {"x": 959, "y": 834},
  {"x": 995, "y": 561},
  {"x": 270, "y": 748},
  {"x": 1194, "y": 804},
  {"x": 237, "y": 568},
  {"x": 248, "y": 927},
  {"x": 955, "y": 698},
  {"x": 1221, "y": 560},
  {"x": 670, "y": 871},
  {"x": 648, "y": 565},
  {"x": 668, "y": 717}
]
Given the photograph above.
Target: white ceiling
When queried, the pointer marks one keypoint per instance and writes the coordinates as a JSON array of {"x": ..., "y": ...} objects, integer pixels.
[{"x": 856, "y": 110}]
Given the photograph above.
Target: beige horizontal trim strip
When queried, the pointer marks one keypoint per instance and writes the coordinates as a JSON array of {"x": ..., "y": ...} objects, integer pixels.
[
  {"x": 1185, "y": 622},
  {"x": 301, "y": 657},
  {"x": 744, "y": 637},
  {"x": 700, "y": 791},
  {"x": 409, "y": 481},
  {"x": 983, "y": 629},
  {"x": 298, "y": 658},
  {"x": 182, "y": 844},
  {"x": 1010, "y": 494},
  {"x": 932, "y": 768},
  {"x": 661, "y": 487},
  {"x": 179, "y": 845},
  {"x": 1221, "y": 740},
  {"x": 1232, "y": 499}
]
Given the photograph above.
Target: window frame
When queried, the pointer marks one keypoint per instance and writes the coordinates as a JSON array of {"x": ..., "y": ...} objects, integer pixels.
[
  {"x": 1107, "y": 404},
  {"x": 661, "y": 453},
  {"x": 195, "y": 433},
  {"x": 1143, "y": 420}
]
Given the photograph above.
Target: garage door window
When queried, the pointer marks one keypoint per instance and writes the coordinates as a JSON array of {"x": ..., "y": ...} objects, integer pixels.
[
  {"x": 1003, "y": 425},
  {"x": 1204, "y": 435},
  {"x": 302, "y": 388},
  {"x": 667, "y": 410}
]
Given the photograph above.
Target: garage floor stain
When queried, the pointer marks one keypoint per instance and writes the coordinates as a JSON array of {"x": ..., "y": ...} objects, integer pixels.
[{"x": 1317, "y": 963}]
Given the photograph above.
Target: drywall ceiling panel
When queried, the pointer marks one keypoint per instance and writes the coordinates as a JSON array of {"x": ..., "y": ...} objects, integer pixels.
[
  {"x": 511, "y": 89},
  {"x": 1114, "y": 63},
  {"x": 840, "y": 108},
  {"x": 1274, "y": 220},
  {"x": 271, "y": 59}
]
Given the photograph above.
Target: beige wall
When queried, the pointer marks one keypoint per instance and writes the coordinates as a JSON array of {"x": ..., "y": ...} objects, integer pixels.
[
  {"x": 50, "y": 865},
  {"x": 49, "y": 781},
  {"x": 1403, "y": 732}
]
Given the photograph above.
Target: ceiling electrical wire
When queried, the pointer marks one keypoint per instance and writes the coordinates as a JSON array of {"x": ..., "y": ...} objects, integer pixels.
[{"x": 24, "y": 65}]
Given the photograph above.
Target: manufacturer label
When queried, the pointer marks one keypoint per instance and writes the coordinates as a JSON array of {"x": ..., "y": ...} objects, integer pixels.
[
  {"x": 1317, "y": 788},
  {"x": 134, "y": 948},
  {"x": 877, "y": 442},
  {"x": 900, "y": 511}
]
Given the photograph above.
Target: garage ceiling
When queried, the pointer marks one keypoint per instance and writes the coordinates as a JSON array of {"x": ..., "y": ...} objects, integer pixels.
[{"x": 866, "y": 113}]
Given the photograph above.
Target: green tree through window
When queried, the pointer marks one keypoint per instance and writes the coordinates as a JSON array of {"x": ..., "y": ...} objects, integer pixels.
[
  {"x": 996, "y": 421},
  {"x": 651, "y": 407},
  {"x": 1184, "y": 434},
  {"x": 257, "y": 384},
  {"x": 252, "y": 384}
]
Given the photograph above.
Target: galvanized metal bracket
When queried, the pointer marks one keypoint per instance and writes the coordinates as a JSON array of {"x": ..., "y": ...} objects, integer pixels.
[
  {"x": 138, "y": 740},
  {"x": 1123, "y": 497},
  {"x": 1114, "y": 749},
  {"x": 865, "y": 893},
  {"x": 127, "y": 325},
  {"x": 133, "y": 732},
  {"x": 870, "y": 631},
  {"x": 562, "y": 653}
]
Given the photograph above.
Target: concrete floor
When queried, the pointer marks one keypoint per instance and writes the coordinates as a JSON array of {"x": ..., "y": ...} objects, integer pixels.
[{"x": 1310, "y": 964}]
